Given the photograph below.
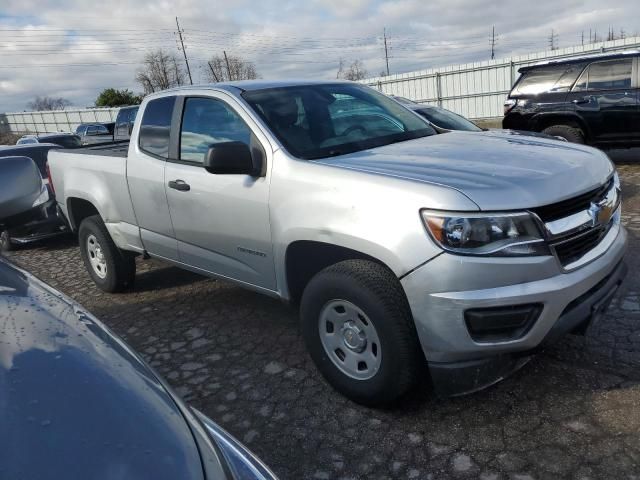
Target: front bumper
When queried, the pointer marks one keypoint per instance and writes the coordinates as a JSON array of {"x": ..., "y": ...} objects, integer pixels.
[{"x": 442, "y": 290}]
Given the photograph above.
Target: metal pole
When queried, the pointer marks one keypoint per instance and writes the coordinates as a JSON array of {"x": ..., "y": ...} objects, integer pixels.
[
  {"x": 227, "y": 62},
  {"x": 184, "y": 52},
  {"x": 213, "y": 72},
  {"x": 493, "y": 42},
  {"x": 386, "y": 51}
]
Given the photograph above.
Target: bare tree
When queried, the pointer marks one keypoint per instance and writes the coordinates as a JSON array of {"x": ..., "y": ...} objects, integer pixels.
[
  {"x": 160, "y": 70},
  {"x": 48, "y": 103},
  {"x": 223, "y": 68},
  {"x": 356, "y": 71}
]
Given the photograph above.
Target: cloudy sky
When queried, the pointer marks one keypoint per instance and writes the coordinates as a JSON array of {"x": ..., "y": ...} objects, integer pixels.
[{"x": 74, "y": 49}]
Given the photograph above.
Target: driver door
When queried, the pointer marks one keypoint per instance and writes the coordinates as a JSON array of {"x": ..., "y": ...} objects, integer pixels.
[{"x": 221, "y": 221}]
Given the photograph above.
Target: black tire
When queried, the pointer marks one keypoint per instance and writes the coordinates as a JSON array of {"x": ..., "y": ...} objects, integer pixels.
[
  {"x": 5, "y": 242},
  {"x": 570, "y": 134},
  {"x": 120, "y": 265},
  {"x": 377, "y": 292}
]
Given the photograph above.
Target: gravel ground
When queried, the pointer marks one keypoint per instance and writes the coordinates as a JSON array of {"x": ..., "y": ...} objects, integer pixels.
[{"x": 573, "y": 412}]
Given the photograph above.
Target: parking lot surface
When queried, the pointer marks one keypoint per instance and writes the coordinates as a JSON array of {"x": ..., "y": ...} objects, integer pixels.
[{"x": 573, "y": 412}]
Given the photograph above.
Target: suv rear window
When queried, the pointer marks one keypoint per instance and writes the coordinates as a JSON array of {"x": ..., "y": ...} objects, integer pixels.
[
  {"x": 558, "y": 78},
  {"x": 156, "y": 126}
]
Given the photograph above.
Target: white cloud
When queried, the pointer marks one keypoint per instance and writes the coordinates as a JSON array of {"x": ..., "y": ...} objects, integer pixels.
[{"x": 75, "y": 49}]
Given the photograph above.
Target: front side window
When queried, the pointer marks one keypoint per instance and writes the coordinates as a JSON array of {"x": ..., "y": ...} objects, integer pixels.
[
  {"x": 318, "y": 121},
  {"x": 155, "y": 128},
  {"x": 607, "y": 75},
  {"x": 205, "y": 122}
]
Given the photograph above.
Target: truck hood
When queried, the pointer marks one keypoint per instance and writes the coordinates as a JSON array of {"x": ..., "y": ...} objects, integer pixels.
[{"x": 497, "y": 172}]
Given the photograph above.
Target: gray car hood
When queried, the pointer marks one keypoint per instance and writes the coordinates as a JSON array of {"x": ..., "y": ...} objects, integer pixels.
[{"x": 497, "y": 172}]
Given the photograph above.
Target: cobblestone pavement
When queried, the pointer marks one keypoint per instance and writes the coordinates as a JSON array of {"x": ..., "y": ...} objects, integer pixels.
[{"x": 573, "y": 412}]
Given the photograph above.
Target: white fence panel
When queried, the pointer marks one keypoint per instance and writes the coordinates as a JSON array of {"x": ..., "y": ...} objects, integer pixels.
[{"x": 54, "y": 121}]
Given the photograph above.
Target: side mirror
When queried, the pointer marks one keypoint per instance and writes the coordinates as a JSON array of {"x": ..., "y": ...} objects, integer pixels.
[
  {"x": 22, "y": 187},
  {"x": 232, "y": 158}
]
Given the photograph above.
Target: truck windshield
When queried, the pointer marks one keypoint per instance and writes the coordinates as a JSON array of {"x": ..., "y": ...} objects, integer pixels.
[{"x": 319, "y": 121}]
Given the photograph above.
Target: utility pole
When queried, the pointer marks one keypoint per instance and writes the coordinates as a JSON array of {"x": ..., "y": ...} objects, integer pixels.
[
  {"x": 553, "y": 40},
  {"x": 213, "y": 72},
  {"x": 493, "y": 42},
  {"x": 582, "y": 38},
  {"x": 184, "y": 51},
  {"x": 227, "y": 62},
  {"x": 386, "y": 51}
]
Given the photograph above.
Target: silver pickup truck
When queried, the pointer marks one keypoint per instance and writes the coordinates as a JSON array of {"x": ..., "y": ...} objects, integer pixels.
[{"x": 466, "y": 250}]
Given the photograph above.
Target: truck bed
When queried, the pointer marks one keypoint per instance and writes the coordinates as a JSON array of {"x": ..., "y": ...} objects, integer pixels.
[
  {"x": 96, "y": 174},
  {"x": 109, "y": 149}
]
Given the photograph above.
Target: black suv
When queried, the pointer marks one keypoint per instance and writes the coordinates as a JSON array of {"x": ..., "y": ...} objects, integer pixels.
[{"x": 592, "y": 99}]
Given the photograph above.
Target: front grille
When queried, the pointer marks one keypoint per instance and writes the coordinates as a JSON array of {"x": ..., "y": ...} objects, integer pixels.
[
  {"x": 573, "y": 249},
  {"x": 554, "y": 211}
]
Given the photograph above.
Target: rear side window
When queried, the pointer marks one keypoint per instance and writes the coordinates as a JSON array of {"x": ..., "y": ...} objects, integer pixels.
[
  {"x": 156, "y": 126},
  {"x": 558, "y": 78},
  {"x": 608, "y": 75}
]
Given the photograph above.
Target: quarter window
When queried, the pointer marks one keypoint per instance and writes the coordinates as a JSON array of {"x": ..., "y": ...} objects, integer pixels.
[
  {"x": 609, "y": 75},
  {"x": 205, "y": 122},
  {"x": 155, "y": 128}
]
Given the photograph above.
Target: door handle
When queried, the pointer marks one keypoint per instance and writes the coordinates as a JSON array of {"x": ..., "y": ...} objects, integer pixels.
[
  {"x": 580, "y": 101},
  {"x": 180, "y": 185}
]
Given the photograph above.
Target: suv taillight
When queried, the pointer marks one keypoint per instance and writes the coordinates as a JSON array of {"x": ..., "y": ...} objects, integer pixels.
[
  {"x": 509, "y": 103},
  {"x": 46, "y": 166}
]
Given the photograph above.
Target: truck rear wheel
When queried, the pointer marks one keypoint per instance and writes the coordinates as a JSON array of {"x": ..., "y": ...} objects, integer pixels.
[
  {"x": 570, "y": 134},
  {"x": 358, "y": 328},
  {"x": 111, "y": 269}
]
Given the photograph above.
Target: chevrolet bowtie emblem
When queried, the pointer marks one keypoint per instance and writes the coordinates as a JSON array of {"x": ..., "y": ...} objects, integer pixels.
[{"x": 594, "y": 213}]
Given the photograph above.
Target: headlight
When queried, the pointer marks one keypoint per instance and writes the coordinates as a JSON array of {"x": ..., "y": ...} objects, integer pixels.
[{"x": 500, "y": 234}]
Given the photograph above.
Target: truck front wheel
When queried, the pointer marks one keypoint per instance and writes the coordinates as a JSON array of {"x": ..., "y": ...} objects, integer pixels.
[
  {"x": 111, "y": 269},
  {"x": 358, "y": 328}
]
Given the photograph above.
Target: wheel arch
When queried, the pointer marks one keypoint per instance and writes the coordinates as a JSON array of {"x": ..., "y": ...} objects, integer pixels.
[
  {"x": 305, "y": 258},
  {"x": 77, "y": 210},
  {"x": 542, "y": 121}
]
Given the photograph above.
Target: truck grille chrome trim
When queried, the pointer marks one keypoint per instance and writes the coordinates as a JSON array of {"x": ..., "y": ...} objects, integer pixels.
[
  {"x": 588, "y": 249},
  {"x": 582, "y": 236},
  {"x": 566, "y": 208}
]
